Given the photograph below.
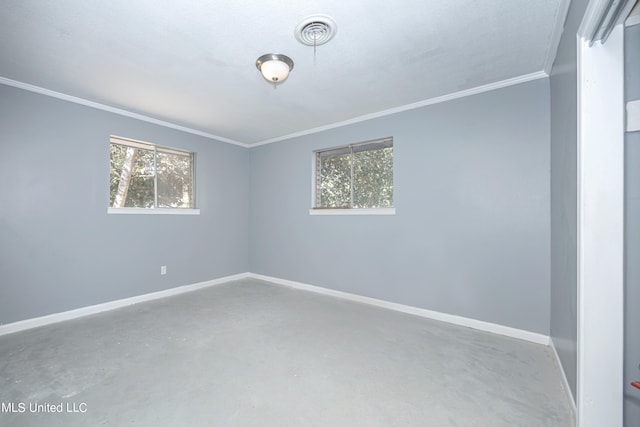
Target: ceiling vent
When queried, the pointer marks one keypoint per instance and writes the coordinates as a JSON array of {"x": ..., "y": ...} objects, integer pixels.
[{"x": 315, "y": 30}]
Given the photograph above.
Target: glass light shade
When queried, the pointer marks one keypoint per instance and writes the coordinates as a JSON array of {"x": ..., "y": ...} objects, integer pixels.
[
  {"x": 274, "y": 67},
  {"x": 275, "y": 71}
]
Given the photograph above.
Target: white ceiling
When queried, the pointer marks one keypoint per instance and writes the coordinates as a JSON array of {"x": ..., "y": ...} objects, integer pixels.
[
  {"x": 192, "y": 62},
  {"x": 634, "y": 15}
]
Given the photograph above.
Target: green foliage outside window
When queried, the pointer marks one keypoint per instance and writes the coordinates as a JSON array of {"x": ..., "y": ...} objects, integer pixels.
[
  {"x": 355, "y": 177},
  {"x": 150, "y": 177}
]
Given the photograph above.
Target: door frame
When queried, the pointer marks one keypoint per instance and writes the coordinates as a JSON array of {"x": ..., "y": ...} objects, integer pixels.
[{"x": 600, "y": 323}]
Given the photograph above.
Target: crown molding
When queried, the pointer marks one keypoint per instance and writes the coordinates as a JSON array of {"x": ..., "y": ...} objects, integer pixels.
[
  {"x": 431, "y": 101},
  {"x": 633, "y": 19},
  {"x": 119, "y": 111},
  {"x": 556, "y": 34},
  {"x": 444, "y": 98}
]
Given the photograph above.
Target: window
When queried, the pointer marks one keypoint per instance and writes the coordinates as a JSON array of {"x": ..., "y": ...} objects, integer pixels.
[
  {"x": 357, "y": 176},
  {"x": 149, "y": 176}
]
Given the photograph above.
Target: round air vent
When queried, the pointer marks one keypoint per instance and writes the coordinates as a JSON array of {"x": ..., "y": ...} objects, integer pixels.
[{"x": 315, "y": 30}]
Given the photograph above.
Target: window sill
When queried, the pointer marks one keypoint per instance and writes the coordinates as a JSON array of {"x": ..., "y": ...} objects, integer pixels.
[
  {"x": 152, "y": 211},
  {"x": 376, "y": 211}
]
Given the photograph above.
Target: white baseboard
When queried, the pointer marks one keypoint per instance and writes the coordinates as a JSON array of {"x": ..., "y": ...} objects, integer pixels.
[
  {"x": 111, "y": 305},
  {"x": 443, "y": 317},
  {"x": 430, "y": 314},
  {"x": 565, "y": 382}
]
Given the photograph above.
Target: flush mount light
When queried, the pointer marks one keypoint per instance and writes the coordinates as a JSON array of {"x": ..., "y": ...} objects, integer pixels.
[{"x": 274, "y": 67}]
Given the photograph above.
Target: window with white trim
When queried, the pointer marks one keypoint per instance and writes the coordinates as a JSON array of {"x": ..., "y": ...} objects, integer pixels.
[
  {"x": 355, "y": 176},
  {"x": 148, "y": 176}
]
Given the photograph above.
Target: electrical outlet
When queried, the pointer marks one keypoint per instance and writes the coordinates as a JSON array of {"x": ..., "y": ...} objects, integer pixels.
[{"x": 163, "y": 269}]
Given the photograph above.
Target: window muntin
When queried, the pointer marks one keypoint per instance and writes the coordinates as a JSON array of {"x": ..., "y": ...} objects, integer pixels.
[
  {"x": 145, "y": 175},
  {"x": 357, "y": 176}
]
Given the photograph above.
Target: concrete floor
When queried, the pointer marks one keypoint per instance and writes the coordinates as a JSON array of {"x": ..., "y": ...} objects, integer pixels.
[{"x": 248, "y": 353}]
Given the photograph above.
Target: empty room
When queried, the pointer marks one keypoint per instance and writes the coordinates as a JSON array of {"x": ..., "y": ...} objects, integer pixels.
[{"x": 356, "y": 213}]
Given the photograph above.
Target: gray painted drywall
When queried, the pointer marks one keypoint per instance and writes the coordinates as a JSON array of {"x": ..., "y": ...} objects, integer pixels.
[
  {"x": 632, "y": 63},
  {"x": 632, "y": 235},
  {"x": 59, "y": 250},
  {"x": 471, "y": 233},
  {"x": 564, "y": 193}
]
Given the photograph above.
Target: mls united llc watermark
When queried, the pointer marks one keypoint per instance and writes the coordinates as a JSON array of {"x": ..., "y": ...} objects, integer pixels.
[{"x": 43, "y": 408}]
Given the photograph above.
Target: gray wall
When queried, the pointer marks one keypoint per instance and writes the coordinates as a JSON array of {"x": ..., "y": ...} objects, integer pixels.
[
  {"x": 471, "y": 233},
  {"x": 59, "y": 249},
  {"x": 632, "y": 235},
  {"x": 564, "y": 193}
]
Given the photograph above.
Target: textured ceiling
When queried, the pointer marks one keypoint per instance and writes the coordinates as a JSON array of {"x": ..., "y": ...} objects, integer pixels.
[{"x": 191, "y": 62}]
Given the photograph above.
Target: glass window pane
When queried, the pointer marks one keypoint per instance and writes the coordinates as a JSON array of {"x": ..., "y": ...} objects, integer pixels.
[
  {"x": 131, "y": 177},
  {"x": 141, "y": 187},
  {"x": 335, "y": 184},
  {"x": 144, "y": 175},
  {"x": 118, "y": 154},
  {"x": 355, "y": 176},
  {"x": 373, "y": 178},
  {"x": 175, "y": 186}
]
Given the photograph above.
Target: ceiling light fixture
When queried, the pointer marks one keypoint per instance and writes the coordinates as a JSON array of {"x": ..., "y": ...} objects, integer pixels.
[{"x": 274, "y": 67}]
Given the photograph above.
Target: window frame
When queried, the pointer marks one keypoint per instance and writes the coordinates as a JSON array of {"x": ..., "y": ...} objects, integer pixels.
[
  {"x": 129, "y": 142},
  {"x": 314, "y": 210}
]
